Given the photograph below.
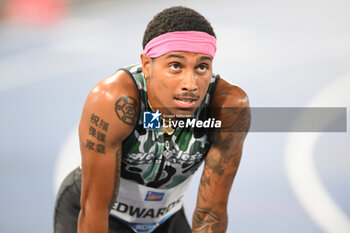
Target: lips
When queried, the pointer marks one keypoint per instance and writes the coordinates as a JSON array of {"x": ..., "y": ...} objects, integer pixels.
[{"x": 183, "y": 102}]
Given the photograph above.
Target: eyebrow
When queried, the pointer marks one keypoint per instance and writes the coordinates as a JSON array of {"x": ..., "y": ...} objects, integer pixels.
[
  {"x": 175, "y": 55},
  {"x": 205, "y": 58}
]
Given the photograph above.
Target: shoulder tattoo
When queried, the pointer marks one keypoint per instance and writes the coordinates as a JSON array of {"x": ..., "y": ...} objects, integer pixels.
[{"x": 126, "y": 110}]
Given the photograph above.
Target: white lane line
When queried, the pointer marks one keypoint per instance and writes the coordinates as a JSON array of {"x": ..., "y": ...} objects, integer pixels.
[{"x": 301, "y": 170}]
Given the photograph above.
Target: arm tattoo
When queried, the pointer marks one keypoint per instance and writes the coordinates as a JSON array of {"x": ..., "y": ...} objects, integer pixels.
[
  {"x": 221, "y": 167},
  {"x": 205, "y": 220},
  {"x": 99, "y": 122},
  {"x": 232, "y": 133},
  {"x": 242, "y": 122},
  {"x": 126, "y": 110},
  {"x": 241, "y": 116},
  {"x": 227, "y": 140},
  {"x": 96, "y": 132},
  {"x": 118, "y": 158}
]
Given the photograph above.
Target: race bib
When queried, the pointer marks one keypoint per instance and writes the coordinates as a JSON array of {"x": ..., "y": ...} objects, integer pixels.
[{"x": 144, "y": 208}]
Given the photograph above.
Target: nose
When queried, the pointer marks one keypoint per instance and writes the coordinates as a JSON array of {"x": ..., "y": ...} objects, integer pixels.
[{"x": 189, "y": 82}]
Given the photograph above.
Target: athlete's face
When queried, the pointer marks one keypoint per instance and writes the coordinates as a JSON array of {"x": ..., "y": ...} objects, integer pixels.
[{"x": 177, "y": 82}]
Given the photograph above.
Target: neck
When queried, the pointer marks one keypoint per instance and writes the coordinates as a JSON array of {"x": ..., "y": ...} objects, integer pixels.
[{"x": 169, "y": 130}]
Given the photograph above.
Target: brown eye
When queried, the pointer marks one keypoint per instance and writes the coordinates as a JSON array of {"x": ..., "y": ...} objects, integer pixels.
[
  {"x": 175, "y": 66},
  {"x": 203, "y": 68}
]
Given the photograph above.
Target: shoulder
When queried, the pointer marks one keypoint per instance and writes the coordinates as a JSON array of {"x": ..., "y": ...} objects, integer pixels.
[
  {"x": 230, "y": 105},
  {"x": 115, "y": 100},
  {"x": 113, "y": 87},
  {"x": 229, "y": 95}
]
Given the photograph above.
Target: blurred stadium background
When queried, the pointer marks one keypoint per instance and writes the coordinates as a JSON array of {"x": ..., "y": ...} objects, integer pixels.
[{"x": 282, "y": 53}]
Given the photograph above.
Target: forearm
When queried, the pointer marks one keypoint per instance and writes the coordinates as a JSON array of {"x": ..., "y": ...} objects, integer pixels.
[
  {"x": 209, "y": 221},
  {"x": 92, "y": 223}
]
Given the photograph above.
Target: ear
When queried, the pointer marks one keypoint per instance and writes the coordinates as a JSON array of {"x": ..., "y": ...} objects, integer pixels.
[{"x": 146, "y": 65}]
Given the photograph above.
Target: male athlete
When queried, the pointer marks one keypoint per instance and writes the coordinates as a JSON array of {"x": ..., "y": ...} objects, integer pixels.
[{"x": 147, "y": 128}]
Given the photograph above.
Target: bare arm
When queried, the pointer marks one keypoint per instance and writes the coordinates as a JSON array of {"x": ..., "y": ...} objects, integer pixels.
[
  {"x": 222, "y": 160},
  {"x": 102, "y": 129}
]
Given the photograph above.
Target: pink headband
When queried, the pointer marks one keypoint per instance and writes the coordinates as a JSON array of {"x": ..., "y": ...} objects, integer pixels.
[{"x": 187, "y": 41}]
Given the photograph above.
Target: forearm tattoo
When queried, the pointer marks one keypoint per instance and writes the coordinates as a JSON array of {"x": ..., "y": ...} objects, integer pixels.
[
  {"x": 118, "y": 157},
  {"x": 126, "y": 110},
  {"x": 220, "y": 170},
  {"x": 205, "y": 221},
  {"x": 97, "y": 136}
]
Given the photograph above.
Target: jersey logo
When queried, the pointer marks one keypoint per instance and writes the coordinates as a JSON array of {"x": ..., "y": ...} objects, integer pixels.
[
  {"x": 154, "y": 196},
  {"x": 151, "y": 120}
]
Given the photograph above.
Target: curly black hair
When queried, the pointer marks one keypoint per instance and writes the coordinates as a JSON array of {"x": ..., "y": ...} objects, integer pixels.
[{"x": 176, "y": 18}]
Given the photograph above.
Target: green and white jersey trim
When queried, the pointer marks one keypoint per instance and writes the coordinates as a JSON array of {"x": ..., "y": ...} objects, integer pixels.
[{"x": 144, "y": 160}]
